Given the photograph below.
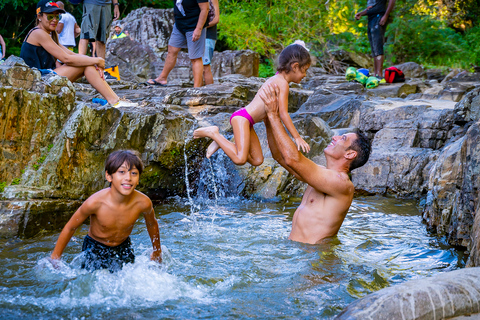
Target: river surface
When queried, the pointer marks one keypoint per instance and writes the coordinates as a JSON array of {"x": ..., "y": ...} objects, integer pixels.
[{"x": 227, "y": 258}]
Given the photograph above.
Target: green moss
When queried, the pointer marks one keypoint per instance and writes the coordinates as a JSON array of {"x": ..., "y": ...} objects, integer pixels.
[{"x": 16, "y": 181}]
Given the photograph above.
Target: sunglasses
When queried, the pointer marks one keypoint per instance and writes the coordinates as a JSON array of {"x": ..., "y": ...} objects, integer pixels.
[{"x": 51, "y": 16}]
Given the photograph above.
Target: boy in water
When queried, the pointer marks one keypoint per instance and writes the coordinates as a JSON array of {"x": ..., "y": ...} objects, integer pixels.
[{"x": 113, "y": 212}]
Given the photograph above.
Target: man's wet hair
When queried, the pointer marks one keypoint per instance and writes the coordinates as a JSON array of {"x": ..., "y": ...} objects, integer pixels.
[
  {"x": 291, "y": 54},
  {"x": 363, "y": 147},
  {"x": 119, "y": 157}
]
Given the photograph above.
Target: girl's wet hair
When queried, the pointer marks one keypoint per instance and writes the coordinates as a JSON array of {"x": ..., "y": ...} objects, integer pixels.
[
  {"x": 119, "y": 157},
  {"x": 291, "y": 54}
]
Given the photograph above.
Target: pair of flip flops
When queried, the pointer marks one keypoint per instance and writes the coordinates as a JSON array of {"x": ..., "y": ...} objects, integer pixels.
[{"x": 155, "y": 83}]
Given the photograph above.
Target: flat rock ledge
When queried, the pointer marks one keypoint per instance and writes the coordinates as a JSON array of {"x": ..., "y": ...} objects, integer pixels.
[{"x": 443, "y": 296}]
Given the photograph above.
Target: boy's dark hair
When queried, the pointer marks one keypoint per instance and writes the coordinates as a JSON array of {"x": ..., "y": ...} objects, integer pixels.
[
  {"x": 363, "y": 147},
  {"x": 119, "y": 157},
  {"x": 291, "y": 54}
]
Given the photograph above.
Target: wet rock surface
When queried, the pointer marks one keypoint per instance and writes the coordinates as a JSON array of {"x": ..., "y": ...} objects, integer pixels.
[{"x": 443, "y": 296}]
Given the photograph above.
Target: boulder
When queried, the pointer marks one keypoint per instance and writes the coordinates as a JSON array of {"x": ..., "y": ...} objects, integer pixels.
[
  {"x": 354, "y": 59},
  {"x": 412, "y": 70},
  {"x": 443, "y": 296},
  {"x": 453, "y": 189},
  {"x": 468, "y": 109}
]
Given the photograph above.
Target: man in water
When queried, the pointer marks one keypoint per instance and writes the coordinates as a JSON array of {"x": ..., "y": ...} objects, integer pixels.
[{"x": 330, "y": 191}]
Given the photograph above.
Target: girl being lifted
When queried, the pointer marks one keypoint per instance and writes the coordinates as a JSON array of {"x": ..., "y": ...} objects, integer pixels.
[{"x": 293, "y": 63}]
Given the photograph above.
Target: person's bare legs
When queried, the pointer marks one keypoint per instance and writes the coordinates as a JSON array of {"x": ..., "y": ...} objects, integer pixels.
[
  {"x": 93, "y": 77},
  {"x": 100, "y": 49},
  {"x": 197, "y": 69},
  {"x": 170, "y": 63},
  {"x": 255, "y": 156},
  {"x": 82, "y": 46},
  {"x": 378, "y": 65},
  {"x": 239, "y": 151},
  {"x": 207, "y": 74}
]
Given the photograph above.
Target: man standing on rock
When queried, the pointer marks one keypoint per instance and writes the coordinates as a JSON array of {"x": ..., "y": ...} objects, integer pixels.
[
  {"x": 330, "y": 191},
  {"x": 378, "y": 13},
  {"x": 97, "y": 17},
  {"x": 188, "y": 32}
]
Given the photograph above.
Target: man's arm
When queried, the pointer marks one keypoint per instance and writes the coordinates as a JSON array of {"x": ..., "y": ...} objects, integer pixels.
[
  {"x": 4, "y": 47},
  {"x": 360, "y": 14},
  {"x": 318, "y": 177},
  {"x": 275, "y": 152},
  {"x": 384, "y": 19},
  {"x": 202, "y": 18},
  {"x": 116, "y": 10},
  {"x": 77, "y": 31},
  {"x": 216, "y": 19},
  {"x": 59, "y": 27},
  {"x": 153, "y": 232}
]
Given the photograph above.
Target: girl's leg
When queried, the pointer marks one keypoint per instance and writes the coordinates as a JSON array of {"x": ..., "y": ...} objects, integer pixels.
[
  {"x": 237, "y": 151},
  {"x": 93, "y": 77},
  {"x": 255, "y": 156}
]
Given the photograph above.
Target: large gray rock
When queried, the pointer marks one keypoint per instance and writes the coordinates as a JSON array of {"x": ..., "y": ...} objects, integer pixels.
[
  {"x": 442, "y": 296},
  {"x": 453, "y": 189},
  {"x": 412, "y": 70},
  {"x": 468, "y": 109}
]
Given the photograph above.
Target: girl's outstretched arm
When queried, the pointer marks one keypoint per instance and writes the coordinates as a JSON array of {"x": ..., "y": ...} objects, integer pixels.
[{"x": 287, "y": 121}]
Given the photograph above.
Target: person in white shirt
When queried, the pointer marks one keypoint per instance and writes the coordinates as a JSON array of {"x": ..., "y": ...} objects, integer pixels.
[{"x": 67, "y": 29}]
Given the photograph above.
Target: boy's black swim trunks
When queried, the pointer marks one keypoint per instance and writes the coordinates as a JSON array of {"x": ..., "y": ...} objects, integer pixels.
[{"x": 100, "y": 256}]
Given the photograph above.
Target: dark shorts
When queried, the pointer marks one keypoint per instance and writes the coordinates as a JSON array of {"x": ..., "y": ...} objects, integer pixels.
[
  {"x": 376, "y": 34},
  {"x": 96, "y": 22},
  {"x": 100, "y": 256}
]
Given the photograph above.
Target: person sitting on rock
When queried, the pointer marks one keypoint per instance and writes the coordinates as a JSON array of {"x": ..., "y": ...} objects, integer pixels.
[
  {"x": 113, "y": 212},
  {"x": 330, "y": 191},
  {"x": 41, "y": 49},
  {"x": 293, "y": 62}
]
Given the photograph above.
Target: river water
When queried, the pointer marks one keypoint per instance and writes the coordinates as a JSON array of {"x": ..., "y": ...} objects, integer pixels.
[{"x": 227, "y": 257}]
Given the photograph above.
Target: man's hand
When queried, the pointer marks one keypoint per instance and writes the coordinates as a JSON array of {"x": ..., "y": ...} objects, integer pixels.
[
  {"x": 156, "y": 256},
  {"x": 269, "y": 94},
  {"x": 384, "y": 19},
  {"x": 302, "y": 144},
  {"x": 197, "y": 33},
  {"x": 358, "y": 15},
  {"x": 116, "y": 12}
]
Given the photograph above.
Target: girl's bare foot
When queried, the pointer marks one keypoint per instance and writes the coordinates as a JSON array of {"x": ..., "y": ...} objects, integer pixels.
[
  {"x": 212, "y": 148},
  {"x": 205, "y": 132}
]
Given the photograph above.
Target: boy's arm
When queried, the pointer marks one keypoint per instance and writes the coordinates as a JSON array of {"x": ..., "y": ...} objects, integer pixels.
[
  {"x": 68, "y": 231},
  {"x": 153, "y": 232},
  {"x": 287, "y": 121}
]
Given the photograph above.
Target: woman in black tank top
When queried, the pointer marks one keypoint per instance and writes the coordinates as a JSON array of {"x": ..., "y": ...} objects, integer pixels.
[{"x": 41, "y": 48}]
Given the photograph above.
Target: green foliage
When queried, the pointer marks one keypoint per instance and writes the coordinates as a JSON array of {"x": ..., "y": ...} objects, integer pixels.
[
  {"x": 266, "y": 70},
  {"x": 3, "y": 184},
  {"x": 421, "y": 39},
  {"x": 16, "y": 181}
]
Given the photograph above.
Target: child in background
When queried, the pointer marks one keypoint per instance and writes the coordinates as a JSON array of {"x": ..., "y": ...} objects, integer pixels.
[
  {"x": 293, "y": 63},
  {"x": 113, "y": 212}
]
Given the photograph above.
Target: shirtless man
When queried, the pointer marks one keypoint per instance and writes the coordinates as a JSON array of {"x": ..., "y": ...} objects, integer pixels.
[{"x": 330, "y": 191}]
